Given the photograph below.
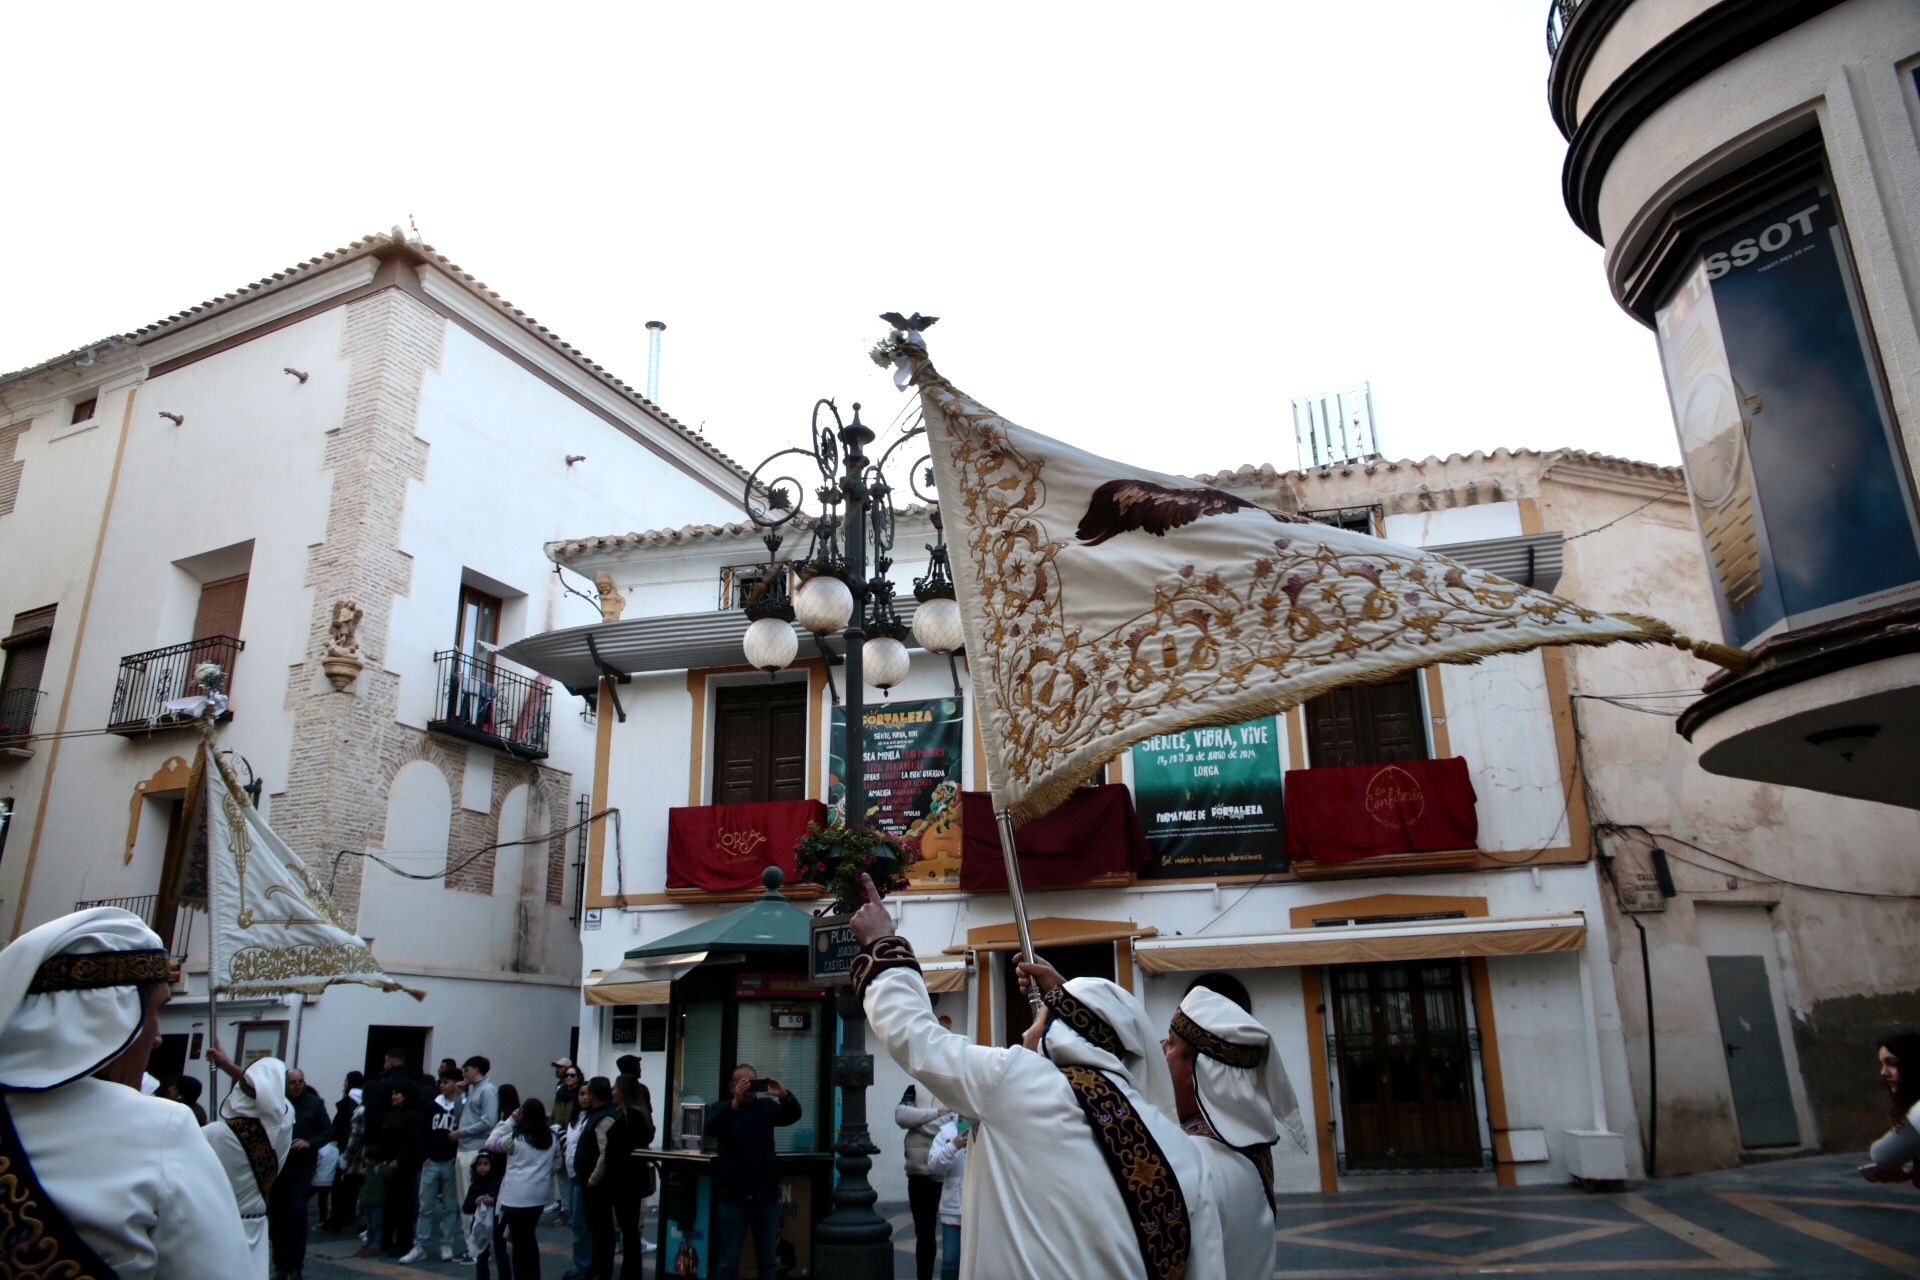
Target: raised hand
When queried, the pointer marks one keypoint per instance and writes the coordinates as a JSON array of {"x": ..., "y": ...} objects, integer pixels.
[
  {"x": 1036, "y": 972},
  {"x": 871, "y": 922}
]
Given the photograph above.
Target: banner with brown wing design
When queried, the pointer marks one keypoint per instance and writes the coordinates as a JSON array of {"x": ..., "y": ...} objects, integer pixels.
[{"x": 1104, "y": 603}]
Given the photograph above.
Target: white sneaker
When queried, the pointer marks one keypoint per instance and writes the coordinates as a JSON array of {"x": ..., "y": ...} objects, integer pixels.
[
  {"x": 363, "y": 1237},
  {"x": 648, "y": 1246},
  {"x": 446, "y": 1254},
  {"x": 414, "y": 1254}
]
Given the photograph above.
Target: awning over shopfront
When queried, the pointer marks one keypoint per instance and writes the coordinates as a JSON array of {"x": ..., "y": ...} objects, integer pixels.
[
  {"x": 623, "y": 986},
  {"x": 944, "y": 975},
  {"x": 1366, "y": 943}
]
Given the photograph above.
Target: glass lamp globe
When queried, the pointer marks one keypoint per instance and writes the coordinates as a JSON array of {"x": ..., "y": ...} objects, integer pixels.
[
  {"x": 936, "y": 625},
  {"x": 771, "y": 644},
  {"x": 884, "y": 662},
  {"x": 823, "y": 604}
]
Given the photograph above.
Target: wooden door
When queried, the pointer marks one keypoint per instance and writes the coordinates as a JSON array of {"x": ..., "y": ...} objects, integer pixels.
[
  {"x": 1367, "y": 724},
  {"x": 1406, "y": 1066},
  {"x": 760, "y": 743}
]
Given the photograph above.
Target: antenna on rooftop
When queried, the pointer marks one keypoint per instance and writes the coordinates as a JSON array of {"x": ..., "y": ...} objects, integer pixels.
[{"x": 1335, "y": 427}]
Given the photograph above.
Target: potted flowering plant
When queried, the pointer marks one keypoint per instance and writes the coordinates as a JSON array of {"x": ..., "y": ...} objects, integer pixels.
[{"x": 835, "y": 856}]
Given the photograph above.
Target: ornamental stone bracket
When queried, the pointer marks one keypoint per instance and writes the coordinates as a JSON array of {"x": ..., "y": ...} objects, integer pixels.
[{"x": 342, "y": 661}]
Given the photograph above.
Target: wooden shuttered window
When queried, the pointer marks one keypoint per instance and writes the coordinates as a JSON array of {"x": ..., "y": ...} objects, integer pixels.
[
  {"x": 26, "y": 648},
  {"x": 1367, "y": 724},
  {"x": 760, "y": 743},
  {"x": 221, "y": 605}
]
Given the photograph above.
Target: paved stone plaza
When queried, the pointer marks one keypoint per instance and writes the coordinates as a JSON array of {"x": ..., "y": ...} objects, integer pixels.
[{"x": 1812, "y": 1217}]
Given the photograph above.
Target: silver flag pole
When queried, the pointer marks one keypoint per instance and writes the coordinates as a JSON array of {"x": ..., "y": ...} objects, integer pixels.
[{"x": 1003, "y": 819}]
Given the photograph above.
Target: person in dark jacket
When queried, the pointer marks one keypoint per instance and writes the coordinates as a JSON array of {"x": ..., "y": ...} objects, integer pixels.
[
  {"x": 395, "y": 1079},
  {"x": 627, "y": 1175},
  {"x": 588, "y": 1173},
  {"x": 746, "y": 1180},
  {"x": 403, "y": 1149},
  {"x": 346, "y": 1186},
  {"x": 287, "y": 1203}
]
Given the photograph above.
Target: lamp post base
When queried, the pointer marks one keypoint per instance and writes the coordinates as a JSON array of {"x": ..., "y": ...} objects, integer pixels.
[{"x": 853, "y": 1241}]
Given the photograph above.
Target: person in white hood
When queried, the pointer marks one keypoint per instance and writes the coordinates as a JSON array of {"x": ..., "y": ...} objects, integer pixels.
[
  {"x": 98, "y": 1179},
  {"x": 251, "y": 1137},
  {"x": 1082, "y": 1170}
]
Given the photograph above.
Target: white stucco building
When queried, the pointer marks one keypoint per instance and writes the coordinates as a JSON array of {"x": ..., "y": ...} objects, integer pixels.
[
  {"x": 376, "y": 427},
  {"x": 1476, "y": 1010}
]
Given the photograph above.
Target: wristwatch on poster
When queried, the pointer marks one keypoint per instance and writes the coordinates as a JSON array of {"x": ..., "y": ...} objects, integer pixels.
[{"x": 1713, "y": 435}]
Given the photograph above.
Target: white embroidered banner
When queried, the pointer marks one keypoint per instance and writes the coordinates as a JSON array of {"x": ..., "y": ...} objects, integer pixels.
[
  {"x": 274, "y": 929},
  {"x": 1104, "y": 603}
]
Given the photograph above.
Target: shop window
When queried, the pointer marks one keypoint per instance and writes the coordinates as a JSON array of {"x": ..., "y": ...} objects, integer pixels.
[
  {"x": 1367, "y": 724},
  {"x": 760, "y": 743},
  {"x": 1786, "y": 431}
]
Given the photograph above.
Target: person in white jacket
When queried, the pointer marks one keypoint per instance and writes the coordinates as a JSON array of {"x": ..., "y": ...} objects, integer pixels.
[
  {"x": 1083, "y": 1170},
  {"x": 947, "y": 1161},
  {"x": 922, "y": 1124}
]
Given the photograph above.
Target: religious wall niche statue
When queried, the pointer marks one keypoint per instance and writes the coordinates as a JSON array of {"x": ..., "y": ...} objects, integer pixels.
[{"x": 342, "y": 661}]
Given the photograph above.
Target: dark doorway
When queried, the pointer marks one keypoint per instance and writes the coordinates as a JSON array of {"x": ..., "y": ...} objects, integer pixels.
[
  {"x": 1406, "y": 1066},
  {"x": 1094, "y": 960},
  {"x": 411, "y": 1041},
  {"x": 760, "y": 743},
  {"x": 1367, "y": 724},
  {"x": 170, "y": 1058}
]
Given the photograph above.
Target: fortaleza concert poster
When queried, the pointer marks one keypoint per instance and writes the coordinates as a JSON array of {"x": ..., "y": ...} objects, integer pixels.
[
  {"x": 1209, "y": 801},
  {"x": 913, "y": 753}
]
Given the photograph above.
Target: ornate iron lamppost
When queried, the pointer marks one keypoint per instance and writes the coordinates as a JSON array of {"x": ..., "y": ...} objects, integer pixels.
[{"x": 844, "y": 589}]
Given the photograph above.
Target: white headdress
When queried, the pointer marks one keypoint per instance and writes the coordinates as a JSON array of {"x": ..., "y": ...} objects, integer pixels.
[
  {"x": 73, "y": 996},
  {"x": 1100, "y": 1024},
  {"x": 1243, "y": 1088}
]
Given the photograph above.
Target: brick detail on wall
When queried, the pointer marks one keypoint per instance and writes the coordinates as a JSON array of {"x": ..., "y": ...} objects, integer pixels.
[
  {"x": 338, "y": 775},
  {"x": 10, "y": 466}
]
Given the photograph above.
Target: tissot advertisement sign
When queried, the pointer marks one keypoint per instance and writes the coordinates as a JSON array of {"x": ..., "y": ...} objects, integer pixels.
[
  {"x": 913, "y": 753},
  {"x": 1792, "y": 463},
  {"x": 1209, "y": 800}
]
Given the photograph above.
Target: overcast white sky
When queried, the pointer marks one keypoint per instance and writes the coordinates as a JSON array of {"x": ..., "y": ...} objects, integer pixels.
[{"x": 1146, "y": 229}]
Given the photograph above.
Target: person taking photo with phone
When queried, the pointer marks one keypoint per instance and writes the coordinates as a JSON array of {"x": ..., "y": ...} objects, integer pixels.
[{"x": 746, "y": 1180}]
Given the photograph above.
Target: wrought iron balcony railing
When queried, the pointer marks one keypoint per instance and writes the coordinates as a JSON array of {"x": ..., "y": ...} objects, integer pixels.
[
  {"x": 477, "y": 700},
  {"x": 1559, "y": 14},
  {"x": 149, "y": 681},
  {"x": 17, "y": 710},
  {"x": 178, "y": 936}
]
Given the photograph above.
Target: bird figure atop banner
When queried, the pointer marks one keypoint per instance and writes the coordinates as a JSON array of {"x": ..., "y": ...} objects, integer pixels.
[{"x": 1104, "y": 603}]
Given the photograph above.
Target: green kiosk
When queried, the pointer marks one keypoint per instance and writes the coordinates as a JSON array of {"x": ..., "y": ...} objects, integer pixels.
[{"x": 740, "y": 993}]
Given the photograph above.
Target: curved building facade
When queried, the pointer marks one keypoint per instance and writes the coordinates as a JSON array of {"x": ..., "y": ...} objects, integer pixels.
[{"x": 1752, "y": 169}]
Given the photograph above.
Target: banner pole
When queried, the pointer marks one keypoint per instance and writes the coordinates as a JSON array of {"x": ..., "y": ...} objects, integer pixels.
[{"x": 1003, "y": 819}]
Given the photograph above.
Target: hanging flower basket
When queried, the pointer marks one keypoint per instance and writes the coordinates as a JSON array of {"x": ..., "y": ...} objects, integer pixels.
[{"x": 835, "y": 855}]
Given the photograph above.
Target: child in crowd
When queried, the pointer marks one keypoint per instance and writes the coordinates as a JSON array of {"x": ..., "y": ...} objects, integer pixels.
[
  {"x": 947, "y": 1161},
  {"x": 373, "y": 1198},
  {"x": 482, "y": 1192},
  {"x": 325, "y": 1169}
]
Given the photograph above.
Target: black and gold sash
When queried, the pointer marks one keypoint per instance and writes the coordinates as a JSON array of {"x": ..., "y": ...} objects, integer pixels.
[
  {"x": 1140, "y": 1171},
  {"x": 37, "y": 1241},
  {"x": 252, "y": 1136}
]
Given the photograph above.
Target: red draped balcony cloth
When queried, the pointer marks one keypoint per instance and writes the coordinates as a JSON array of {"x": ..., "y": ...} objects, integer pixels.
[
  {"x": 1362, "y": 811},
  {"x": 725, "y": 847},
  {"x": 1095, "y": 833}
]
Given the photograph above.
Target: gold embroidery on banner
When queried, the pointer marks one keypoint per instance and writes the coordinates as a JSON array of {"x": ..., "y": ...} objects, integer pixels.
[
  {"x": 1221, "y": 634},
  {"x": 1145, "y": 1180}
]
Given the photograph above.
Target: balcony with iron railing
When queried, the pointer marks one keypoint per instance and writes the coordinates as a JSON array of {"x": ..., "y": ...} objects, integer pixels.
[
  {"x": 177, "y": 935},
  {"x": 18, "y": 707},
  {"x": 153, "y": 685},
  {"x": 1559, "y": 15},
  {"x": 477, "y": 700}
]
